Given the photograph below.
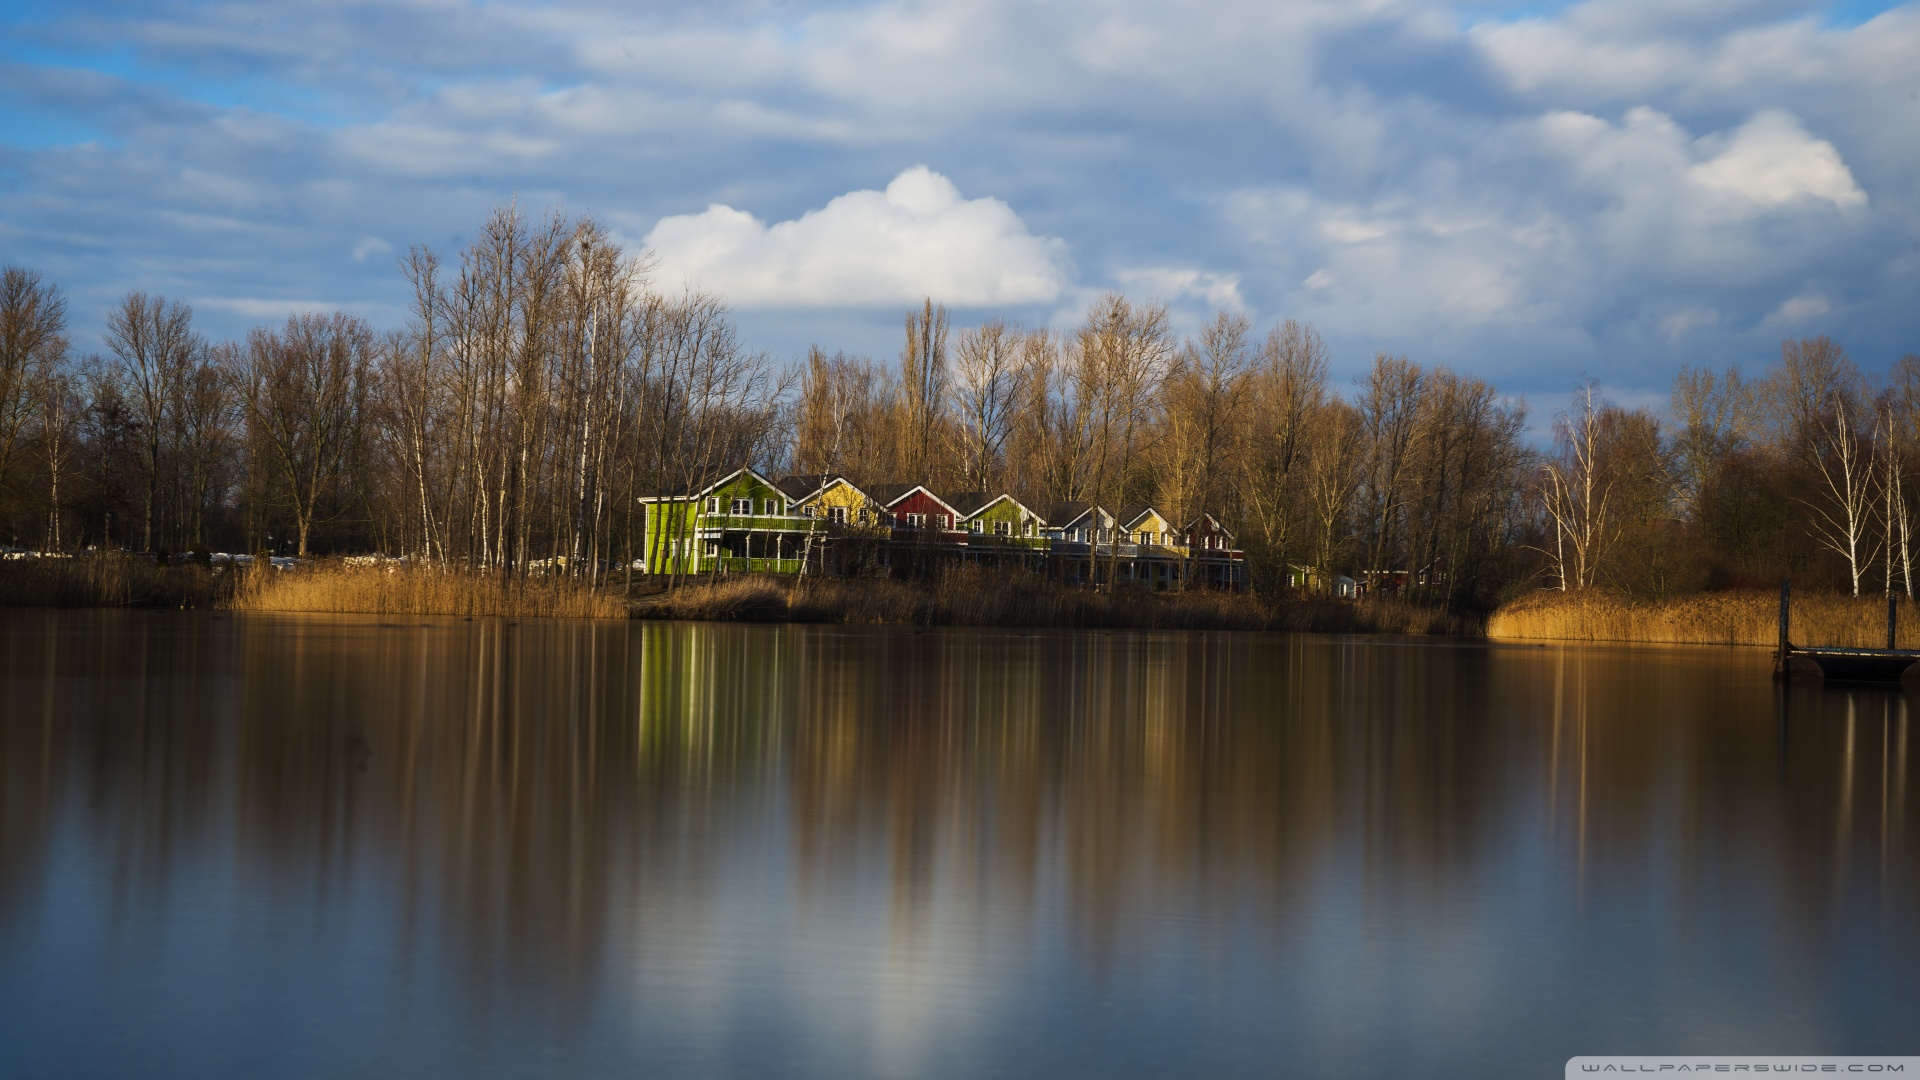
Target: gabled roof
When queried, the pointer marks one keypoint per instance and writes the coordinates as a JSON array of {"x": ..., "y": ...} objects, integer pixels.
[
  {"x": 1065, "y": 515},
  {"x": 889, "y": 495},
  {"x": 1131, "y": 514},
  {"x": 969, "y": 503},
  {"x": 1211, "y": 520},
  {"x": 704, "y": 483},
  {"x": 801, "y": 487},
  {"x": 974, "y": 503}
]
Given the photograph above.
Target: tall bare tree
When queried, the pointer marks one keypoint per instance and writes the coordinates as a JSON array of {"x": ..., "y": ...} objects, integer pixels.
[
  {"x": 154, "y": 341},
  {"x": 303, "y": 389},
  {"x": 988, "y": 385},
  {"x": 33, "y": 341},
  {"x": 924, "y": 379}
]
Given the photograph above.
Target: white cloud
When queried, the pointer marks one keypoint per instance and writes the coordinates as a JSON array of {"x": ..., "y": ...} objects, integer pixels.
[
  {"x": 368, "y": 246},
  {"x": 1771, "y": 160},
  {"x": 1172, "y": 284},
  {"x": 917, "y": 238},
  {"x": 1799, "y": 309}
]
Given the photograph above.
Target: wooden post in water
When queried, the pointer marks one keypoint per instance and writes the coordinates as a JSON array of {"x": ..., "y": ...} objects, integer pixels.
[
  {"x": 1893, "y": 621},
  {"x": 1780, "y": 652}
]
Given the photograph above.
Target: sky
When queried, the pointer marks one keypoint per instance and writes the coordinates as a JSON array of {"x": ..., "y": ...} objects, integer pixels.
[{"x": 1531, "y": 193}]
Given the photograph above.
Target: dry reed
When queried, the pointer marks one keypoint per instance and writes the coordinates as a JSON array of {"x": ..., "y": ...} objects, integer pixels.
[
  {"x": 1719, "y": 618},
  {"x": 971, "y": 597},
  {"x": 420, "y": 590},
  {"x": 110, "y": 580}
]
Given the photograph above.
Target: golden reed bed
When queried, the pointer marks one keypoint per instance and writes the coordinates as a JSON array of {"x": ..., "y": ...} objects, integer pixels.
[
  {"x": 1722, "y": 618},
  {"x": 974, "y": 597},
  {"x": 412, "y": 590}
]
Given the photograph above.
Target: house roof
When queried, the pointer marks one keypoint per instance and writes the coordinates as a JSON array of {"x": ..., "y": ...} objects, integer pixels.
[
  {"x": 977, "y": 503},
  {"x": 1131, "y": 514},
  {"x": 799, "y": 487},
  {"x": 969, "y": 503},
  {"x": 888, "y": 495},
  {"x": 704, "y": 482},
  {"x": 1210, "y": 520},
  {"x": 1063, "y": 515}
]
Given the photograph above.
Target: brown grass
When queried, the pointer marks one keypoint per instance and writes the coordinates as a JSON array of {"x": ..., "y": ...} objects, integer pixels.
[
  {"x": 417, "y": 590},
  {"x": 1720, "y": 618},
  {"x": 983, "y": 598},
  {"x": 112, "y": 580}
]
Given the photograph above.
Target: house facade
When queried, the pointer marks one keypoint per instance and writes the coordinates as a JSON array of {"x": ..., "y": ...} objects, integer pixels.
[
  {"x": 739, "y": 523},
  {"x": 743, "y": 522}
]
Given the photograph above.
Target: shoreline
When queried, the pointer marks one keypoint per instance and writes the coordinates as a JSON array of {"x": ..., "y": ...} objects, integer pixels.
[
  {"x": 963, "y": 598},
  {"x": 1747, "y": 617}
]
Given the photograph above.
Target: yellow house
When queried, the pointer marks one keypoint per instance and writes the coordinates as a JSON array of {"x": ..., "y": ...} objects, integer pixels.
[
  {"x": 1142, "y": 524},
  {"x": 833, "y": 500}
]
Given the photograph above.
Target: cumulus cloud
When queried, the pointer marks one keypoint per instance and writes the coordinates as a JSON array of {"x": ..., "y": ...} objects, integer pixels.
[
  {"x": 918, "y": 238},
  {"x": 1603, "y": 181},
  {"x": 1771, "y": 160}
]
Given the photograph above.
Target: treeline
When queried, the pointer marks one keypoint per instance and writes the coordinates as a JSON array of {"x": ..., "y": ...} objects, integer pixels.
[{"x": 541, "y": 385}]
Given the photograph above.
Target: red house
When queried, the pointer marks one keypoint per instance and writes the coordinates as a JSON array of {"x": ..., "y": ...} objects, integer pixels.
[{"x": 927, "y": 530}]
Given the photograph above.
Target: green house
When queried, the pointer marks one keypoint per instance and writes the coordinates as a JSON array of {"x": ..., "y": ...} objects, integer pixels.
[
  {"x": 740, "y": 523},
  {"x": 999, "y": 523}
]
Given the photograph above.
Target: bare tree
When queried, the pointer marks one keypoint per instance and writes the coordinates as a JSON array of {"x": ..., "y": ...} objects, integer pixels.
[
  {"x": 923, "y": 386},
  {"x": 1332, "y": 446},
  {"x": 989, "y": 383},
  {"x": 1126, "y": 351},
  {"x": 1712, "y": 417},
  {"x": 1842, "y": 456},
  {"x": 303, "y": 390},
  {"x": 1286, "y": 393},
  {"x": 154, "y": 342},
  {"x": 203, "y": 422},
  {"x": 62, "y": 411},
  {"x": 1390, "y": 416},
  {"x": 33, "y": 341},
  {"x": 1202, "y": 401},
  {"x": 1577, "y": 495}
]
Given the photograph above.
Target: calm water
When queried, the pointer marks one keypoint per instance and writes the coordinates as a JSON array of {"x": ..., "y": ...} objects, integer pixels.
[{"x": 331, "y": 847}]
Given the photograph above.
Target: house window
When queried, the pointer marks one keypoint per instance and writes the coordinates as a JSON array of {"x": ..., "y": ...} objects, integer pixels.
[
  {"x": 916, "y": 521},
  {"x": 1003, "y": 528},
  {"x": 942, "y": 521},
  {"x": 713, "y": 505},
  {"x": 1027, "y": 530},
  {"x": 808, "y": 511},
  {"x": 773, "y": 507},
  {"x": 975, "y": 527},
  {"x": 837, "y": 515},
  {"x": 743, "y": 507}
]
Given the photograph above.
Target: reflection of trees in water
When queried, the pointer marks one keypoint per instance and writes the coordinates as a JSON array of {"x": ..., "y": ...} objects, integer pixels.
[
  {"x": 1147, "y": 771},
  {"x": 548, "y": 796},
  {"x": 1694, "y": 762}
]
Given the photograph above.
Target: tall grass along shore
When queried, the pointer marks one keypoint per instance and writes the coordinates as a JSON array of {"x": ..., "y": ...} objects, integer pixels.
[
  {"x": 979, "y": 598},
  {"x": 962, "y": 597},
  {"x": 421, "y": 590},
  {"x": 1748, "y": 617}
]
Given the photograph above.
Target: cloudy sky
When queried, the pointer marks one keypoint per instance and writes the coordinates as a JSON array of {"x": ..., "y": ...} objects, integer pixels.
[{"x": 1528, "y": 192}]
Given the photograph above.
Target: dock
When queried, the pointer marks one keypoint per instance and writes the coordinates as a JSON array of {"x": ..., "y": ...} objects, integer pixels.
[{"x": 1841, "y": 663}]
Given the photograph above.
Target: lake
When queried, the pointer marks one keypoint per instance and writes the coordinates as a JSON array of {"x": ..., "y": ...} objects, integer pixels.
[{"x": 282, "y": 846}]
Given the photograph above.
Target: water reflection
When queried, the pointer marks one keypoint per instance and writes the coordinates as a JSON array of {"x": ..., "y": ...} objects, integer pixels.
[{"x": 553, "y": 847}]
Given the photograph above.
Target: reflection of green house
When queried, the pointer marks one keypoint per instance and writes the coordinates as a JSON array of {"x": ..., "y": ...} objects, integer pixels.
[{"x": 741, "y": 522}]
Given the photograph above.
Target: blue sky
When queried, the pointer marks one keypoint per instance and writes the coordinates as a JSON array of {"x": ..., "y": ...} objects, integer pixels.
[{"x": 1528, "y": 192}]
